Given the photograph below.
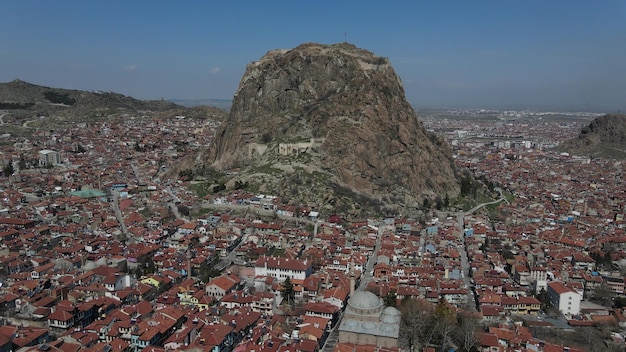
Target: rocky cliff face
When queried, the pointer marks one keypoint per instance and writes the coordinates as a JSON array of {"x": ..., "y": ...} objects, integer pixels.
[
  {"x": 605, "y": 136},
  {"x": 331, "y": 117}
]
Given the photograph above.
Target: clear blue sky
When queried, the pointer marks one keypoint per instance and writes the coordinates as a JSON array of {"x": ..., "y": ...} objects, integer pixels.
[{"x": 499, "y": 53}]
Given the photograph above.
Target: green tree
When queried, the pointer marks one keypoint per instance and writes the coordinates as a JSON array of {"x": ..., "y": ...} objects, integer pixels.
[
  {"x": 542, "y": 296},
  {"x": 206, "y": 273},
  {"x": 288, "y": 291},
  {"x": 147, "y": 265},
  {"x": 507, "y": 254},
  {"x": 138, "y": 272},
  {"x": 184, "y": 210},
  {"x": 466, "y": 184},
  {"x": 438, "y": 203},
  {"x": 241, "y": 185},
  {"x": 603, "y": 260},
  {"x": 218, "y": 188},
  {"x": 8, "y": 169},
  {"x": 619, "y": 302},
  {"x": 22, "y": 163},
  {"x": 391, "y": 298},
  {"x": 485, "y": 246},
  {"x": 186, "y": 175}
]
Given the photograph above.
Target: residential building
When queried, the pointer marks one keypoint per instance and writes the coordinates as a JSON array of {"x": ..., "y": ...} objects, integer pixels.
[
  {"x": 564, "y": 298},
  {"x": 282, "y": 268},
  {"x": 221, "y": 285},
  {"x": 49, "y": 157}
]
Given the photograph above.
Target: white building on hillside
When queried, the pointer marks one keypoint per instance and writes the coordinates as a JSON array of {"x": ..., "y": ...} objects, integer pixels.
[
  {"x": 282, "y": 268},
  {"x": 49, "y": 157},
  {"x": 564, "y": 298}
]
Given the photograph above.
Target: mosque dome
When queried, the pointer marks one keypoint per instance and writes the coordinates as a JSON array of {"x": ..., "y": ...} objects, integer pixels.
[
  {"x": 369, "y": 326},
  {"x": 390, "y": 316},
  {"x": 365, "y": 301},
  {"x": 387, "y": 329}
]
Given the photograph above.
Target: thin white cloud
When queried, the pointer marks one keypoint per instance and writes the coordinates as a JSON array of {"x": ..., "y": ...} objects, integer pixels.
[
  {"x": 132, "y": 67},
  {"x": 215, "y": 70}
]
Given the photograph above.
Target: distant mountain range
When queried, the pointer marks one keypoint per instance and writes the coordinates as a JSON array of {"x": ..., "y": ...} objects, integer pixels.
[
  {"x": 24, "y": 100},
  {"x": 223, "y": 104},
  {"x": 20, "y": 95}
]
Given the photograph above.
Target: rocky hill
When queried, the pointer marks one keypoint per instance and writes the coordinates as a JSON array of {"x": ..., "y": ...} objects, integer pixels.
[
  {"x": 20, "y": 95},
  {"x": 330, "y": 125},
  {"x": 27, "y": 102},
  {"x": 603, "y": 137}
]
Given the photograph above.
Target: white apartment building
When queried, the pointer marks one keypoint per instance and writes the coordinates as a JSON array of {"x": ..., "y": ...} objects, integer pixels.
[
  {"x": 49, "y": 157},
  {"x": 564, "y": 298}
]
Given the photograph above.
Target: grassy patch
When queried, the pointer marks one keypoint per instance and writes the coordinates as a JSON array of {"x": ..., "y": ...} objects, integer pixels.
[
  {"x": 491, "y": 208},
  {"x": 200, "y": 212},
  {"x": 469, "y": 203},
  {"x": 267, "y": 169},
  {"x": 146, "y": 212},
  {"x": 201, "y": 189},
  {"x": 320, "y": 177},
  {"x": 508, "y": 196}
]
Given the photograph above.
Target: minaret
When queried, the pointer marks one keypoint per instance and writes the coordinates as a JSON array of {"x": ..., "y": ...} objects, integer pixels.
[
  {"x": 188, "y": 264},
  {"x": 351, "y": 274}
]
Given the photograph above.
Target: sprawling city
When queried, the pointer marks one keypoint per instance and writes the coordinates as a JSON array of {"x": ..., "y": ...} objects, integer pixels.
[
  {"x": 100, "y": 252},
  {"x": 322, "y": 176}
]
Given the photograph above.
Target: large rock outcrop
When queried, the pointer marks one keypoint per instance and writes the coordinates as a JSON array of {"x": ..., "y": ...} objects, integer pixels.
[
  {"x": 338, "y": 113},
  {"x": 604, "y": 137}
]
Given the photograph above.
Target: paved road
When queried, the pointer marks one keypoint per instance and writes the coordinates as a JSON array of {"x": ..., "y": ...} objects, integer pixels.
[
  {"x": 231, "y": 256},
  {"x": 3, "y": 113},
  {"x": 25, "y": 124},
  {"x": 465, "y": 267},
  {"x": 371, "y": 261},
  {"x": 501, "y": 199},
  {"x": 118, "y": 214}
]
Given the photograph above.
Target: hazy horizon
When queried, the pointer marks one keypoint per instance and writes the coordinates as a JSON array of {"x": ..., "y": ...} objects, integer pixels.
[
  {"x": 223, "y": 103},
  {"x": 483, "y": 54}
]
